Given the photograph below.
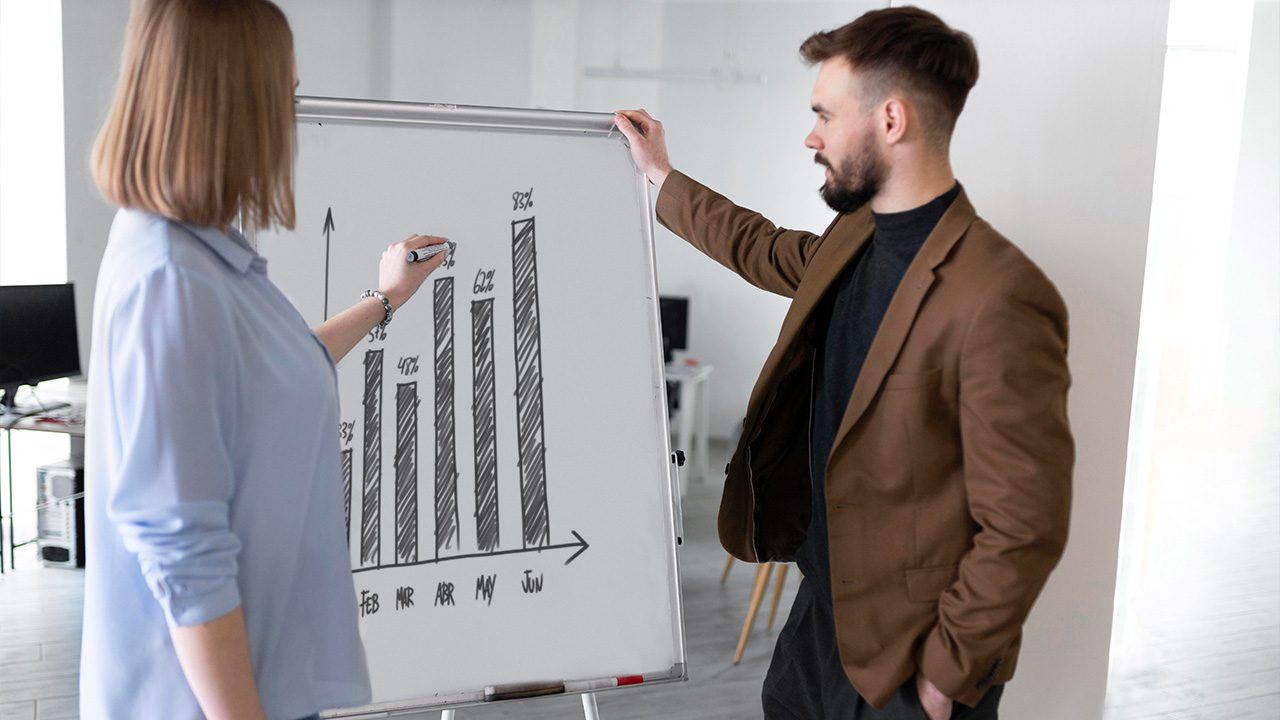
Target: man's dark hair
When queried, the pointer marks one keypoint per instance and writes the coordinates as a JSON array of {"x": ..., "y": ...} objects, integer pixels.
[{"x": 909, "y": 50}]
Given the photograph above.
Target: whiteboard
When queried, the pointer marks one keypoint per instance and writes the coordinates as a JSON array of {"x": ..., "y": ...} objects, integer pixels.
[{"x": 505, "y": 451}]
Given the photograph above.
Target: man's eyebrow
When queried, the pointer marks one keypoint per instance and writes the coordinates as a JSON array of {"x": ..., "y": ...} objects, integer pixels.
[{"x": 817, "y": 108}]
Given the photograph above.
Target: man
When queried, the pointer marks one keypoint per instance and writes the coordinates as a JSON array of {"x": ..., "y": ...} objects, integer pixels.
[{"x": 907, "y": 441}]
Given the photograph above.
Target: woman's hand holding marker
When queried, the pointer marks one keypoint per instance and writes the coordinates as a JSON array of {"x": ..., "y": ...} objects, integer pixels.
[{"x": 399, "y": 280}]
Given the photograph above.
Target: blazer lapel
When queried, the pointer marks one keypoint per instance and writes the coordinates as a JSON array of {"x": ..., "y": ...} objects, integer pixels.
[
  {"x": 901, "y": 314},
  {"x": 835, "y": 253}
]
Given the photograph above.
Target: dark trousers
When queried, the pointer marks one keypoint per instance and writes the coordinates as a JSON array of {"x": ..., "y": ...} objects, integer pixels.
[
  {"x": 904, "y": 705},
  {"x": 806, "y": 680}
]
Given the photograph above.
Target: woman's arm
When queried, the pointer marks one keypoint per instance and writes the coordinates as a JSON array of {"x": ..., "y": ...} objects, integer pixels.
[
  {"x": 341, "y": 332},
  {"x": 215, "y": 659},
  {"x": 397, "y": 279}
]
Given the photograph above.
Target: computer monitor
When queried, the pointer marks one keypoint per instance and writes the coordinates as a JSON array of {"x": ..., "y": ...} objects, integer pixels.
[
  {"x": 675, "y": 324},
  {"x": 37, "y": 337}
]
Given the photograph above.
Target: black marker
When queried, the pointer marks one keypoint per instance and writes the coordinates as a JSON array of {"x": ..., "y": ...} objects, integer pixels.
[{"x": 426, "y": 253}]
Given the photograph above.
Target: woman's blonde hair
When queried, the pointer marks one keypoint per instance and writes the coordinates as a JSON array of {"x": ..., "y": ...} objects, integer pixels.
[{"x": 202, "y": 125}]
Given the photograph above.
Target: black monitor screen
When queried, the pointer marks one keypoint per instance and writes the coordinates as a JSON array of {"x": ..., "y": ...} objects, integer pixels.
[
  {"x": 675, "y": 324},
  {"x": 37, "y": 334}
]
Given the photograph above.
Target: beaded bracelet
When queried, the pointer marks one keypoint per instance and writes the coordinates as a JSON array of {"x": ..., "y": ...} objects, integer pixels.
[{"x": 386, "y": 305}]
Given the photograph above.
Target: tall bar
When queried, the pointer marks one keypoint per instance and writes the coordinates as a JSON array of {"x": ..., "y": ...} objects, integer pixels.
[
  {"x": 406, "y": 465},
  {"x": 529, "y": 419},
  {"x": 484, "y": 412},
  {"x": 346, "y": 490},
  {"x": 371, "y": 514},
  {"x": 446, "y": 490}
]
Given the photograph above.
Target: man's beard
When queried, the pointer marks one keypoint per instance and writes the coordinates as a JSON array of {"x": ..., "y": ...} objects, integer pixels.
[{"x": 854, "y": 182}]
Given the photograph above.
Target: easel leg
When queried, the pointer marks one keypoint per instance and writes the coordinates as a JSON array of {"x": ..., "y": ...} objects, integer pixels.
[
  {"x": 777, "y": 593},
  {"x": 757, "y": 594},
  {"x": 589, "y": 710},
  {"x": 728, "y": 565}
]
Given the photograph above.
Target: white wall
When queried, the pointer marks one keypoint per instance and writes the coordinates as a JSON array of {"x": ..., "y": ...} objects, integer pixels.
[
  {"x": 617, "y": 34},
  {"x": 413, "y": 51},
  {"x": 341, "y": 46},
  {"x": 466, "y": 52},
  {"x": 92, "y": 39}
]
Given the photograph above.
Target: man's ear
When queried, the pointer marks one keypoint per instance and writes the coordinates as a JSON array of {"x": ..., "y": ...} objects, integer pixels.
[{"x": 893, "y": 120}]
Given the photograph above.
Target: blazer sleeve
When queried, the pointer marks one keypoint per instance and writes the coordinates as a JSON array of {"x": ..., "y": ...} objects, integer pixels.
[
  {"x": 1018, "y": 458},
  {"x": 763, "y": 254}
]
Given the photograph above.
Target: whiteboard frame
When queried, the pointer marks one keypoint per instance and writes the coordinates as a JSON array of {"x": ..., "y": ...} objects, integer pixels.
[
  {"x": 364, "y": 112},
  {"x": 319, "y": 110}
]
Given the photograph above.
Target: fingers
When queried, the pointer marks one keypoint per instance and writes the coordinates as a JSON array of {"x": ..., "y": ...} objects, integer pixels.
[
  {"x": 625, "y": 127},
  {"x": 434, "y": 262},
  {"x": 640, "y": 119},
  {"x": 417, "y": 242},
  {"x": 638, "y": 116}
]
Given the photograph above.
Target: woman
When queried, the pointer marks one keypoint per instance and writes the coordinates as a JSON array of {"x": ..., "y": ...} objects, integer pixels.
[{"x": 219, "y": 582}]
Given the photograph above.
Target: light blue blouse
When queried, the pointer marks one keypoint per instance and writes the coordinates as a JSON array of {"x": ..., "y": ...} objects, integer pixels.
[{"x": 212, "y": 480}]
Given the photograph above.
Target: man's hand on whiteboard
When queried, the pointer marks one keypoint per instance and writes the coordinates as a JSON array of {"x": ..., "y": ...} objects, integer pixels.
[
  {"x": 399, "y": 279},
  {"x": 648, "y": 144}
]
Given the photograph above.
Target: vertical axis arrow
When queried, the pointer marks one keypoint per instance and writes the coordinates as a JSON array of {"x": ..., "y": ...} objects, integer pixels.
[{"x": 328, "y": 226}]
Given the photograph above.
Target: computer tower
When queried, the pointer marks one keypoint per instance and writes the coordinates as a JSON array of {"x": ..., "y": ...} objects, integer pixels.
[{"x": 60, "y": 514}]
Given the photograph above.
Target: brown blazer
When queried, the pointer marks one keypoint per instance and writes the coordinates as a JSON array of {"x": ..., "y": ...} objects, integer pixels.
[{"x": 948, "y": 486}]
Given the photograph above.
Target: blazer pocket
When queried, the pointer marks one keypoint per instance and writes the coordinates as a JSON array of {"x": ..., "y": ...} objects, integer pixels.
[
  {"x": 907, "y": 381},
  {"x": 928, "y": 584}
]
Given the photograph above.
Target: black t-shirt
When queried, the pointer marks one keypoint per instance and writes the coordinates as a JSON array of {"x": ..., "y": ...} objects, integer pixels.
[{"x": 855, "y": 306}]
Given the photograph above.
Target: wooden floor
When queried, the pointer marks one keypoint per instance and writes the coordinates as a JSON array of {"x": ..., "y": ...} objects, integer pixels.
[
  {"x": 1198, "y": 635},
  {"x": 39, "y": 640},
  {"x": 1224, "y": 663}
]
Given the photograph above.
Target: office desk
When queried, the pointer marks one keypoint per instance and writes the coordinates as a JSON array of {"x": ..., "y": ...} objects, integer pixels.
[
  {"x": 695, "y": 409},
  {"x": 38, "y": 422}
]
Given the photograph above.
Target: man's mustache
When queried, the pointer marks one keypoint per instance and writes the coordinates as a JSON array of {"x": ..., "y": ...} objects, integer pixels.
[{"x": 817, "y": 157}]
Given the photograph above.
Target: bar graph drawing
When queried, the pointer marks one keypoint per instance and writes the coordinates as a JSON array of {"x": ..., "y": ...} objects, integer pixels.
[
  {"x": 447, "y": 533},
  {"x": 346, "y": 489},
  {"x": 529, "y": 419},
  {"x": 406, "y": 467},
  {"x": 484, "y": 409},
  {"x": 371, "y": 509},
  {"x": 527, "y": 454}
]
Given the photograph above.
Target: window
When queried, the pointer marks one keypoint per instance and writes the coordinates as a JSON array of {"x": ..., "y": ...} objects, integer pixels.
[
  {"x": 1198, "y": 594},
  {"x": 33, "y": 234}
]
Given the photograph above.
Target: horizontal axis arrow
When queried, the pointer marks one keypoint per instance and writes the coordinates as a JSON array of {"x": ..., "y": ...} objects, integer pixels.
[{"x": 580, "y": 544}]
